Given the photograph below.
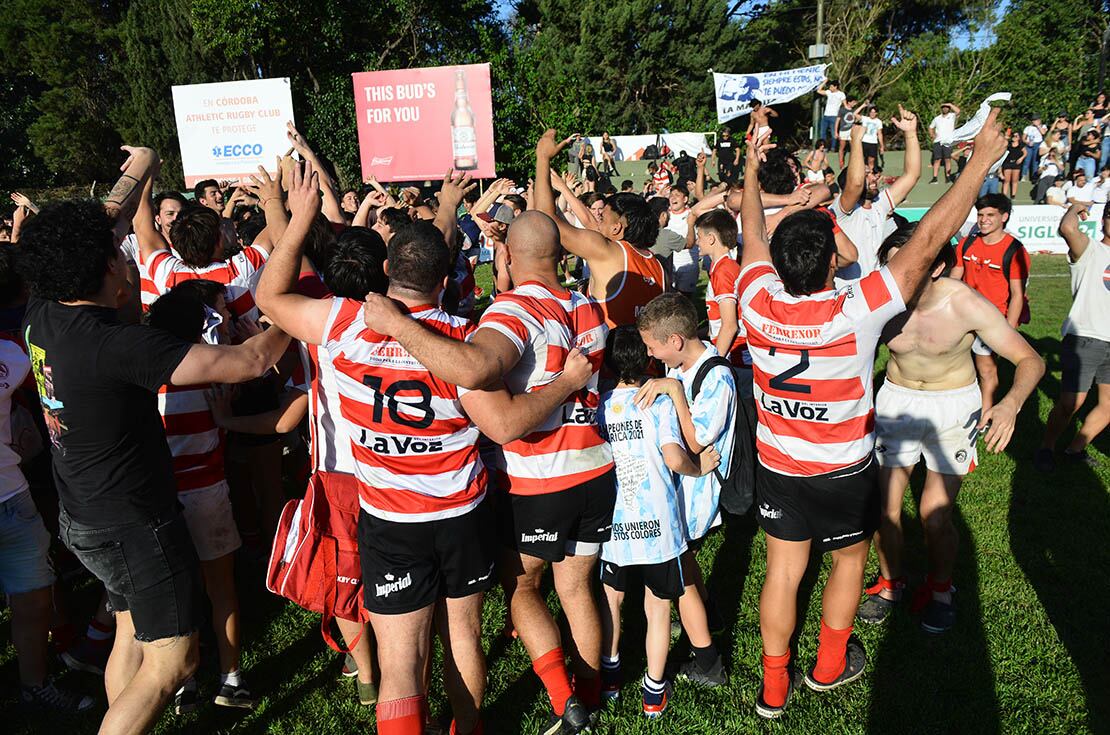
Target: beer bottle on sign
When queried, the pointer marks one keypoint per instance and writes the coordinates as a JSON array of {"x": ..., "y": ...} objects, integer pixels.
[{"x": 464, "y": 141}]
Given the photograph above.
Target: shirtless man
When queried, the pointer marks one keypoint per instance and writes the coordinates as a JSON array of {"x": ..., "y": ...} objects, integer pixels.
[
  {"x": 930, "y": 405},
  {"x": 759, "y": 126}
]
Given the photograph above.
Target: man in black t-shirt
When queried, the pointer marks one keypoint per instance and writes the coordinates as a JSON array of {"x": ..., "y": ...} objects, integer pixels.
[
  {"x": 727, "y": 154},
  {"x": 686, "y": 166},
  {"x": 97, "y": 382}
]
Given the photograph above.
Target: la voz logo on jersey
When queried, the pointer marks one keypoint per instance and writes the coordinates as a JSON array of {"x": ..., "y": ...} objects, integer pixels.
[{"x": 237, "y": 150}]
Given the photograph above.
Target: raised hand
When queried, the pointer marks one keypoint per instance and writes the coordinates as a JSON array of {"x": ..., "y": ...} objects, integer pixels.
[
  {"x": 905, "y": 120},
  {"x": 455, "y": 186},
  {"x": 300, "y": 145},
  {"x": 21, "y": 200},
  {"x": 547, "y": 147},
  {"x": 304, "y": 192},
  {"x": 757, "y": 149},
  {"x": 700, "y": 160},
  {"x": 262, "y": 186},
  {"x": 990, "y": 142}
]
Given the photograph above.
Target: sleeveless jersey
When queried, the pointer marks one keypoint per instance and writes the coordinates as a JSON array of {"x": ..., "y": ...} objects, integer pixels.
[{"x": 642, "y": 279}]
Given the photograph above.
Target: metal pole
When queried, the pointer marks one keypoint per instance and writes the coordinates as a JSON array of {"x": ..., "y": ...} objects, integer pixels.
[
  {"x": 820, "y": 40},
  {"x": 1102, "y": 62}
]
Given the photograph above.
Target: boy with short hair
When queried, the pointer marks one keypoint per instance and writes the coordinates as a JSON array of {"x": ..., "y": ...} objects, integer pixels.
[
  {"x": 716, "y": 232},
  {"x": 648, "y": 536},
  {"x": 668, "y": 326}
]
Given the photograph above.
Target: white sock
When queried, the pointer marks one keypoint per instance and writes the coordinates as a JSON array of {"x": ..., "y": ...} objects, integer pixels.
[
  {"x": 611, "y": 663},
  {"x": 653, "y": 686},
  {"x": 231, "y": 678}
]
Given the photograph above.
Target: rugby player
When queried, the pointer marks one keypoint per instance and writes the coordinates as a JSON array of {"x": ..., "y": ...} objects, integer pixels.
[
  {"x": 930, "y": 405},
  {"x": 813, "y": 351},
  {"x": 424, "y": 529}
]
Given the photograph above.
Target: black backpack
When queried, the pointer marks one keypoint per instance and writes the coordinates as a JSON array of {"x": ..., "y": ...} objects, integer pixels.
[
  {"x": 738, "y": 488},
  {"x": 651, "y": 153}
]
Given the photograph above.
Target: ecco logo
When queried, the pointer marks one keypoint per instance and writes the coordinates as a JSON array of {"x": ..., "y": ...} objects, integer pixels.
[{"x": 238, "y": 150}]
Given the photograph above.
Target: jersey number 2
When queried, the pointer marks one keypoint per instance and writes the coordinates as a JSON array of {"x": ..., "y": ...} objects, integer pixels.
[
  {"x": 424, "y": 405},
  {"x": 782, "y": 380}
]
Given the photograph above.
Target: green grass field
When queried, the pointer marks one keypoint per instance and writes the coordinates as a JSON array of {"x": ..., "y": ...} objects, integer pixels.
[{"x": 1029, "y": 653}]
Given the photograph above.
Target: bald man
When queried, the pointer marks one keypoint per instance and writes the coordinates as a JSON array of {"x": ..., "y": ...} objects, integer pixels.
[{"x": 560, "y": 480}]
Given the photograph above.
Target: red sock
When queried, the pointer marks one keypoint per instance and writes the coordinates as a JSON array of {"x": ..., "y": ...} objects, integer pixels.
[
  {"x": 552, "y": 670},
  {"x": 831, "y": 653},
  {"x": 588, "y": 691},
  {"x": 401, "y": 716},
  {"x": 776, "y": 679},
  {"x": 476, "y": 731}
]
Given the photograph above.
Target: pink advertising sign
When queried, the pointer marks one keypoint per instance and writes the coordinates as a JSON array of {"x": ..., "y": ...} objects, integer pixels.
[{"x": 415, "y": 124}]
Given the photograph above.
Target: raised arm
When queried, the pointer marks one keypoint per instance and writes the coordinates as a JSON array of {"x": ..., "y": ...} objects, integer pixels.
[
  {"x": 906, "y": 121},
  {"x": 149, "y": 238},
  {"x": 490, "y": 195},
  {"x": 303, "y": 317},
  {"x": 362, "y": 215},
  {"x": 331, "y": 206},
  {"x": 269, "y": 195},
  {"x": 910, "y": 265},
  {"x": 586, "y": 244},
  {"x": 505, "y": 417},
  {"x": 231, "y": 363},
  {"x": 857, "y": 175},
  {"x": 124, "y": 197},
  {"x": 699, "y": 178},
  {"x": 577, "y": 207},
  {"x": 455, "y": 186},
  {"x": 1069, "y": 230},
  {"x": 755, "y": 248}
]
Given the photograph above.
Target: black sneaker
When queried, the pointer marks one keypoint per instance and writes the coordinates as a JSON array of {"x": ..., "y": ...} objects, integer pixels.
[
  {"x": 855, "y": 659},
  {"x": 875, "y": 609},
  {"x": 939, "y": 616},
  {"x": 1043, "y": 460},
  {"x": 1081, "y": 458},
  {"x": 575, "y": 719},
  {"x": 88, "y": 655},
  {"x": 54, "y": 699},
  {"x": 711, "y": 679},
  {"x": 768, "y": 712},
  {"x": 186, "y": 700},
  {"x": 235, "y": 696},
  {"x": 933, "y": 180}
]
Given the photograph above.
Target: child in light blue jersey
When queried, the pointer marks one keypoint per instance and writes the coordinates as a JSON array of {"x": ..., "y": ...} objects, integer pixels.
[{"x": 649, "y": 535}]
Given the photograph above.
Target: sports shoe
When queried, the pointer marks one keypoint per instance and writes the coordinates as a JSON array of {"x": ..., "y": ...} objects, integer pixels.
[
  {"x": 88, "y": 655},
  {"x": 939, "y": 616},
  {"x": 768, "y": 712},
  {"x": 656, "y": 704},
  {"x": 186, "y": 699},
  {"x": 55, "y": 699},
  {"x": 855, "y": 659},
  {"x": 713, "y": 678},
  {"x": 235, "y": 696},
  {"x": 933, "y": 180},
  {"x": 610, "y": 683},
  {"x": 1081, "y": 458},
  {"x": 576, "y": 718},
  {"x": 876, "y": 608},
  {"x": 350, "y": 668},
  {"x": 1043, "y": 460},
  {"x": 367, "y": 694}
]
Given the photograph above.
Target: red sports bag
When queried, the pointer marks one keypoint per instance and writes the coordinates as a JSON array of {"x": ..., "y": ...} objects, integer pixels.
[{"x": 314, "y": 561}]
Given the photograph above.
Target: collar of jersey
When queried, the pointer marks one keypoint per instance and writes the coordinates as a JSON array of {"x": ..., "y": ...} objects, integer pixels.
[{"x": 545, "y": 287}]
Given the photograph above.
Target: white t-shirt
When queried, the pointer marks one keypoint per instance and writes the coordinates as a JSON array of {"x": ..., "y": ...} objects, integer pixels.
[
  {"x": 1085, "y": 193},
  {"x": 871, "y": 128},
  {"x": 833, "y": 101},
  {"x": 1102, "y": 191},
  {"x": 687, "y": 257},
  {"x": 1090, "y": 288},
  {"x": 866, "y": 227},
  {"x": 944, "y": 126},
  {"x": 1033, "y": 134},
  {"x": 14, "y": 365},
  {"x": 1056, "y": 195}
]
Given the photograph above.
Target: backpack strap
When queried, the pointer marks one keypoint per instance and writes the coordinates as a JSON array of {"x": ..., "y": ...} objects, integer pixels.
[
  {"x": 699, "y": 376},
  {"x": 1009, "y": 254}
]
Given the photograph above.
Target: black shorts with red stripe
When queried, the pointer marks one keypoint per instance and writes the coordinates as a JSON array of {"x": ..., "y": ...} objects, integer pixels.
[
  {"x": 834, "y": 510},
  {"x": 552, "y": 526},
  {"x": 408, "y": 566}
]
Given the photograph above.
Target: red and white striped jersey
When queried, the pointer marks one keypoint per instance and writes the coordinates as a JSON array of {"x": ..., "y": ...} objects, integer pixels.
[
  {"x": 148, "y": 294},
  {"x": 196, "y": 443},
  {"x": 724, "y": 285},
  {"x": 415, "y": 451},
  {"x": 812, "y": 360},
  {"x": 239, "y": 275},
  {"x": 544, "y": 325}
]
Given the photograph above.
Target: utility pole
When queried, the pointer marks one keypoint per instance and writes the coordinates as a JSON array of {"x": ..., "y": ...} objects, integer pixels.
[{"x": 816, "y": 52}]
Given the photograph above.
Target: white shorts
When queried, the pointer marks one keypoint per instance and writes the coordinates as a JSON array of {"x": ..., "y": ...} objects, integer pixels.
[
  {"x": 210, "y": 520},
  {"x": 686, "y": 270},
  {"x": 979, "y": 347},
  {"x": 941, "y": 425}
]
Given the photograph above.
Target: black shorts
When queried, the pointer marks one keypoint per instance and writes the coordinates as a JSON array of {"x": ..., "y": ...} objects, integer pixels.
[
  {"x": 1084, "y": 361},
  {"x": 834, "y": 510},
  {"x": 408, "y": 566},
  {"x": 574, "y": 522},
  {"x": 149, "y": 569},
  {"x": 941, "y": 152},
  {"x": 871, "y": 150},
  {"x": 663, "y": 579}
]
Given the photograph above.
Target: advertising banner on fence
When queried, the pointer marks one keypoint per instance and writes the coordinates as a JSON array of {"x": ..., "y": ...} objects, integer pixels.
[
  {"x": 1035, "y": 225},
  {"x": 228, "y": 129},
  {"x": 735, "y": 92},
  {"x": 414, "y": 124}
]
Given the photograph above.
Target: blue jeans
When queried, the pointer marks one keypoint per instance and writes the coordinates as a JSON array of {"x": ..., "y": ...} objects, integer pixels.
[
  {"x": 1086, "y": 164},
  {"x": 991, "y": 185},
  {"x": 1031, "y": 162},
  {"x": 1105, "y": 160},
  {"x": 825, "y": 129},
  {"x": 24, "y": 547}
]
